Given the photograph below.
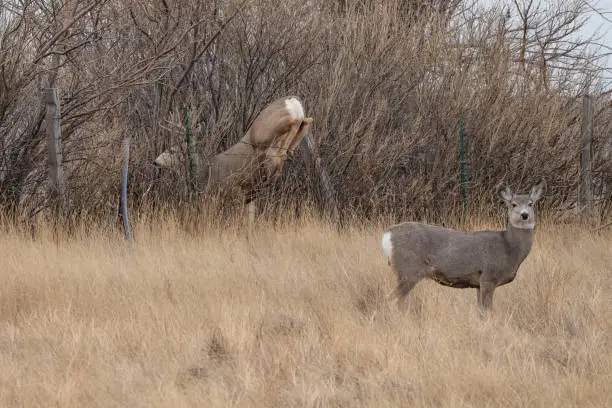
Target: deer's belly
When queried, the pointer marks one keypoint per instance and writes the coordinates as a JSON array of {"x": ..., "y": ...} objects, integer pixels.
[
  {"x": 507, "y": 279},
  {"x": 461, "y": 282}
]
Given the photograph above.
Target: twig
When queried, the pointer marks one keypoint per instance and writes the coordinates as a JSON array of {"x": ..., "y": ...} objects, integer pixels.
[{"x": 601, "y": 227}]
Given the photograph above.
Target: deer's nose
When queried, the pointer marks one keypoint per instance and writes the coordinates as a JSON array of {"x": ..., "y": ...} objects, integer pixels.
[{"x": 524, "y": 215}]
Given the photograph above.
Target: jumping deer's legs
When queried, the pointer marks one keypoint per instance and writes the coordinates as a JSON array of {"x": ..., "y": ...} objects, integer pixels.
[
  {"x": 277, "y": 152},
  {"x": 304, "y": 128},
  {"x": 485, "y": 297},
  {"x": 281, "y": 145},
  {"x": 291, "y": 135}
]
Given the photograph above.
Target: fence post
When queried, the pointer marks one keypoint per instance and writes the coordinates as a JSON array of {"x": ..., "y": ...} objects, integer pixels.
[
  {"x": 585, "y": 196},
  {"x": 462, "y": 161},
  {"x": 54, "y": 152},
  {"x": 190, "y": 161},
  {"x": 124, "y": 182}
]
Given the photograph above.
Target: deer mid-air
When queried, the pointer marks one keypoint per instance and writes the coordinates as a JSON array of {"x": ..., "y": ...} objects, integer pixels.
[
  {"x": 481, "y": 259},
  {"x": 257, "y": 158}
]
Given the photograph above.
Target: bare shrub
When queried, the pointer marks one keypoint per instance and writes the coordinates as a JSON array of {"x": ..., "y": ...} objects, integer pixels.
[{"x": 385, "y": 82}]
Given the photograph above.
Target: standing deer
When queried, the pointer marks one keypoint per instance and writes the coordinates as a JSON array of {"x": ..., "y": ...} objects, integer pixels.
[
  {"x": 258, "y": 157},
  {"x": 482, "y": 259}
]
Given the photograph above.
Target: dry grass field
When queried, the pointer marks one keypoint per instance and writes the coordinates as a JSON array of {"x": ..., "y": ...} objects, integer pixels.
[{"x": 296, "y": 316}]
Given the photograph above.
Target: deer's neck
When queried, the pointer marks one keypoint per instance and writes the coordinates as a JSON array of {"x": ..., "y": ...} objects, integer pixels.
[{"x": 519, "y": 241}]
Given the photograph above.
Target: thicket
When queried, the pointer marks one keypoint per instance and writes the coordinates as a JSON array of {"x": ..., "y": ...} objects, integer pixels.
[{"x": 385, "y": 81}]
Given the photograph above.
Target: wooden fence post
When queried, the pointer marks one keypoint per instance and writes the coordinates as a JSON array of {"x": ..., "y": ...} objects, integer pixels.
[
  {"x": 585, "y": 196},
  {"x": 463, "y": 184},
  {"x": 191, "y": 165},
  {"x": 54, "y": 151}
]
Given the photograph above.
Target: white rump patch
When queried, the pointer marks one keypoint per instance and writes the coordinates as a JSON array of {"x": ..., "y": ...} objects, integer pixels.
[
  {"x": 294, "y": 107},
  {"x": 387, "y": 245}
]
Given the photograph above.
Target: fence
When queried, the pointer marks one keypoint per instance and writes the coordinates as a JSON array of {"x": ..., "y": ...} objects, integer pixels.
[{"x": 58, "y": 194}]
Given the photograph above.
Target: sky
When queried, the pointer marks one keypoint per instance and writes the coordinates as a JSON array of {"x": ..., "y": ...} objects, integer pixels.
[
  {"x": 602, "y": 25},
  {"x": 597, "y": 23}
]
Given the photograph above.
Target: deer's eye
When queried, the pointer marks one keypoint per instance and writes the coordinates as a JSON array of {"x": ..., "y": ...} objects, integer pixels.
[
  {"x": 513, "y": 205},
  {"x": 530, "y": 204}
]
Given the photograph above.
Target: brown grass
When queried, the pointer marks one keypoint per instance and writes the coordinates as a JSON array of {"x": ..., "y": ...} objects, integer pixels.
[{"x": 296, "y": 316}]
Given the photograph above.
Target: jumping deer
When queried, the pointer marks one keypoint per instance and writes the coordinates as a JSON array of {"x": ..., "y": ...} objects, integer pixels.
[
  {"x": 481, "y": 259},
  {"x": 257, "y": 158}
]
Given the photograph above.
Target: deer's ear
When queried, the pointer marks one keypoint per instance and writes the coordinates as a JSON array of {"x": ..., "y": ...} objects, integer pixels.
[
  {"x": 506, "y": 194},
  {"x": 538, "y": 190}
]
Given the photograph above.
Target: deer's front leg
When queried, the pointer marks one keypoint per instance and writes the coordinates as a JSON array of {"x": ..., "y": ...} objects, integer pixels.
[{"x": 485, "y": 297}]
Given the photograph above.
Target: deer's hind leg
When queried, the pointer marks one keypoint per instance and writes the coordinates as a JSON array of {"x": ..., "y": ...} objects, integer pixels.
[
  {"x": 303, "y": 130},
  {"x": 406, "y": 281},
  {"x": 283, "y": 141},
  {"x": 276, "y": 153}
]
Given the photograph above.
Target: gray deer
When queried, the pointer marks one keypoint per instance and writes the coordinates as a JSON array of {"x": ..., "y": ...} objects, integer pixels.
[{"x": 481, "y": 259}]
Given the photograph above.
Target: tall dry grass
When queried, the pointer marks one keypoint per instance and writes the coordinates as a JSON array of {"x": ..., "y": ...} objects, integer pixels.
[{"x": 293, "y": 316}]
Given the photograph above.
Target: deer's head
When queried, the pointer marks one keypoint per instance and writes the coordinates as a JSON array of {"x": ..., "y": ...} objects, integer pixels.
[
  {"x": 171, "y": 158},
  {"x": 520, "y": 206}
]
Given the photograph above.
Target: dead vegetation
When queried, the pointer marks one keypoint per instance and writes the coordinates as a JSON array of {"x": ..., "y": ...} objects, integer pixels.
[
  {"x": 385, "y": 82},
  {"x": 293, "y": 317}
]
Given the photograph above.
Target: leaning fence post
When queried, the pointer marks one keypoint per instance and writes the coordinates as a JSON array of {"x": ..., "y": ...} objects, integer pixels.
[
  {"x": 190, "y": 161},
  {"x": 54, "y": 151},
  {"x": 585, "y": 197},
  {"x": 124, "y": 183}
]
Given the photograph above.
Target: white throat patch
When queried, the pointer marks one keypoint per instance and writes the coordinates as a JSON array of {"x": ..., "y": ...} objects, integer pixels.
[{"x": 529, "y": 226}]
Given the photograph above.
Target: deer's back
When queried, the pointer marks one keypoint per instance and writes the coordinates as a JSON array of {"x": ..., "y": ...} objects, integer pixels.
[{"x": 236, "y": 163}]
